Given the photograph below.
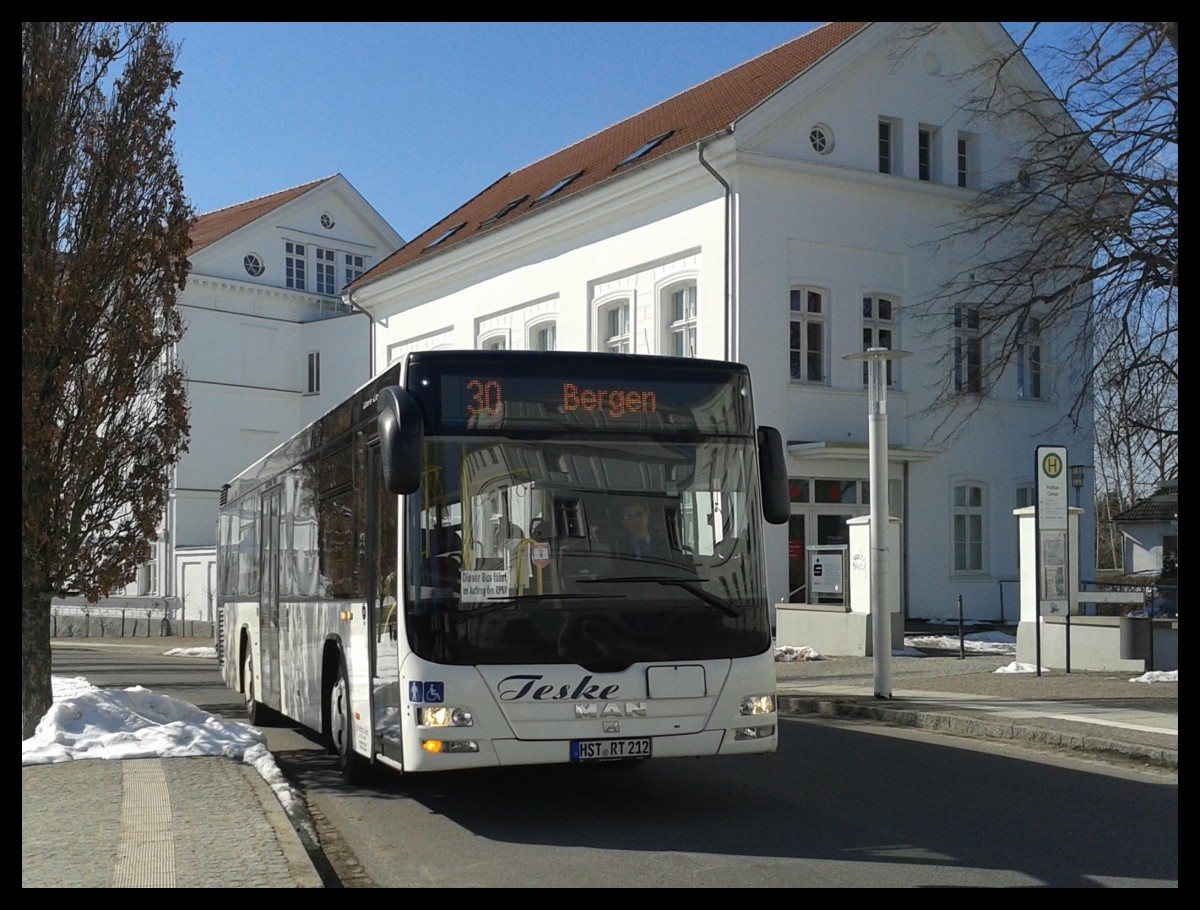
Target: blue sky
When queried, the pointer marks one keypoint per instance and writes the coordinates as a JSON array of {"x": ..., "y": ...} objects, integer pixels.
[{"x": 421, "y": 116}]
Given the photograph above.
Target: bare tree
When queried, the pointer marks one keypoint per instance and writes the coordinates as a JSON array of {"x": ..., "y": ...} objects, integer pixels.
[
  {"x": 1081, "y": 241},
  {"x": 104, "y": 238}
]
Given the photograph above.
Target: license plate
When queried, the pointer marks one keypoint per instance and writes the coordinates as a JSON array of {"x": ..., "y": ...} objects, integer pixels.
[{"x": 609, "y": 749}]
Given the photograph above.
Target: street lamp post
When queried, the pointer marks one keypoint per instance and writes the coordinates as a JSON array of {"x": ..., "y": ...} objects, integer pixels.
[
  {"x": 881, "y": 619},
  {"x": 1077, "y": 481}
]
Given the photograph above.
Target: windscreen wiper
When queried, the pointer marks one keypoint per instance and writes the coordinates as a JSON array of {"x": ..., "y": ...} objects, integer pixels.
[{"x": 690, "y": 586}]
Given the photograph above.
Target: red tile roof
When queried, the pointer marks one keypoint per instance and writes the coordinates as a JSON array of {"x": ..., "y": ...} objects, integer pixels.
[
  {"x": 692, "y": 115},
  {"x": 211, "y": 227}
]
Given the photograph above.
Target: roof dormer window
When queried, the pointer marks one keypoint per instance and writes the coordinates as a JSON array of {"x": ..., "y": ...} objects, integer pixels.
[
  {"x": 645, "y": 149},
  {"x": 507, "y": 207},
  {"x": 446, "y": 236},
  {"x": 558, "y": 187}
]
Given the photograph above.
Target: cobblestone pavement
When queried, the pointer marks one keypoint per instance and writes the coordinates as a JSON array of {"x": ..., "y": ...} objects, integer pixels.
[{"x": 199, "y": 822}]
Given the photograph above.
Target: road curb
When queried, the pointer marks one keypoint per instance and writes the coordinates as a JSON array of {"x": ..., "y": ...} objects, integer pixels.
[{"x": 980, "y": 728}]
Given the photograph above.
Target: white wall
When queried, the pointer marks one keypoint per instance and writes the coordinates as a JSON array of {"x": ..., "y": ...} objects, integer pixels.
[
  {"x": 834, "y": 222},
  {"x": 1144, "y": 546},
  {"x": 580, "y": 265}
]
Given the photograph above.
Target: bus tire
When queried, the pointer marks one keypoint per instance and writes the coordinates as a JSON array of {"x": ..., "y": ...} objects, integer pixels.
[
  {"x": 257, "y": 713},
  {"x": 355, "y": 769}
]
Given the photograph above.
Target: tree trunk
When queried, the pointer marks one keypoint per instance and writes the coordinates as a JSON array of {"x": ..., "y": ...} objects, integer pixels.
[{"x": 36, "y": 691}]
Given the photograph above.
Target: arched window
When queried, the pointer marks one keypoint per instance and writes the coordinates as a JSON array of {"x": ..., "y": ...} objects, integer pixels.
[
  {"x": 806, "y": 335},
  {"x": 880, "y": 329},
  {"x": 969, "y": 524},
  {"x": 543, "y": 336},
  {"x": 1029, "y": 360},
  {"x": 680, "y": 307},
  {"x": 615, "y": 332}
]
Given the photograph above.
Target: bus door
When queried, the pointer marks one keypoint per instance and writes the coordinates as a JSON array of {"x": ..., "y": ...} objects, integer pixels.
[
  {"x": 383, "y": 613},
  {"x": 268, "y": 605}
]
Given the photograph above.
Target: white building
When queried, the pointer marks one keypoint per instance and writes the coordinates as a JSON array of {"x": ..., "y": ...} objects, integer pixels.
[
  {"x": 1150, "y": 531},
  {"x": 776, "y": 215},
  {"x": 269, "y": 345}
]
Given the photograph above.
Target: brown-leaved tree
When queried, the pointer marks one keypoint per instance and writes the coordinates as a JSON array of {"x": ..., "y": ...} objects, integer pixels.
[
  {"x": 104, "y": 241},
  {"x": 1079, "y": 240}
]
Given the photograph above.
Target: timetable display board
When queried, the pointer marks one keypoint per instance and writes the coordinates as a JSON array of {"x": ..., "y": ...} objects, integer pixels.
[{"x": 1053, "y": 554}]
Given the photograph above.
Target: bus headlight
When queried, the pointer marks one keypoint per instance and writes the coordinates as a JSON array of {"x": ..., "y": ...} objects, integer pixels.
[
  {"x": 740, "y": 734},
  {"x": 757, "y": 704},
  {"x": 445, "y": 717}
]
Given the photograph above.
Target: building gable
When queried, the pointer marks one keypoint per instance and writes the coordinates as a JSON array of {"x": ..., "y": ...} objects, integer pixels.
[
  {"x": 213, "y": 226},
  {"x": 916, "y": 85},
  {"x": 247, "y": 242}
]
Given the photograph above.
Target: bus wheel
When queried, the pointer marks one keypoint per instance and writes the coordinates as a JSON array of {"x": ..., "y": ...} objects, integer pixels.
[
  {"x": 257, "y": 713},
  {"x": 253, "y": 710},
  {"x": 353, "y": 766}
]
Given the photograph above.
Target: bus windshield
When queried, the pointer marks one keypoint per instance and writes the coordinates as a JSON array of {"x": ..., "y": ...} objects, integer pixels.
[{"x": 593, "y": 551}]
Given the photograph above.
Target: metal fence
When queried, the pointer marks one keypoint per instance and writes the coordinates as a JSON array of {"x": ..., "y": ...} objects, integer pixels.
[
  {"x": 1158, "y": 599},
  {"x": 142, "y": 617}
]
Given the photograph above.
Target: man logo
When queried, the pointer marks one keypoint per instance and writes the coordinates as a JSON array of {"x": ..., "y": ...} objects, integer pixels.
[{"x": 593, "y": 710}]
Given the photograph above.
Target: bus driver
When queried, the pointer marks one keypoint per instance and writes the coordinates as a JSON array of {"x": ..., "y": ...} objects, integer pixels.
[{"x": 638, "y": 539}]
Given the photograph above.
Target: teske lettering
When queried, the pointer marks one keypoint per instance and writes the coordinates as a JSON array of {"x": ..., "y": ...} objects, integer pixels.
[{"x": 514, "y": 688}]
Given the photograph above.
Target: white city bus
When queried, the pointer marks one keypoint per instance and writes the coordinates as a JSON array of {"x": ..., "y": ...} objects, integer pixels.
[{"x": 431, "y": 574}]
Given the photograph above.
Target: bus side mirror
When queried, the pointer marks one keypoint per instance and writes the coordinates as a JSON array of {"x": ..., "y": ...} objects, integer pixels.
[
  {"x": 400, "y": 439},
  {"x": 773, "y": 474}
]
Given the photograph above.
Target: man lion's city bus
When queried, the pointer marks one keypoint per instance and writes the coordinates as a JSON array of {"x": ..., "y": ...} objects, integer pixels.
[{"x": 430, "y": 575}]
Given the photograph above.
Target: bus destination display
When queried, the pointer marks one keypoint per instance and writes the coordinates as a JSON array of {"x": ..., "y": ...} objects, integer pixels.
[
  {"x": 558, "y": 391},
  {"x": 489, "y": 402},
  {"x": 485, "y": 398}
]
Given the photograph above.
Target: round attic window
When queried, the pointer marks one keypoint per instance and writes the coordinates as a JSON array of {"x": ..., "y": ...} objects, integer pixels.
[
  {"x": 253, "y": 265},
  {"x": 326, "y": 221},
  {"x": 821, "y": 138}
]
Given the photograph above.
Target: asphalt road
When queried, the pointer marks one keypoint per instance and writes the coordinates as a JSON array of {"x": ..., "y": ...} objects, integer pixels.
[{"x": 841, "y": 804}]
